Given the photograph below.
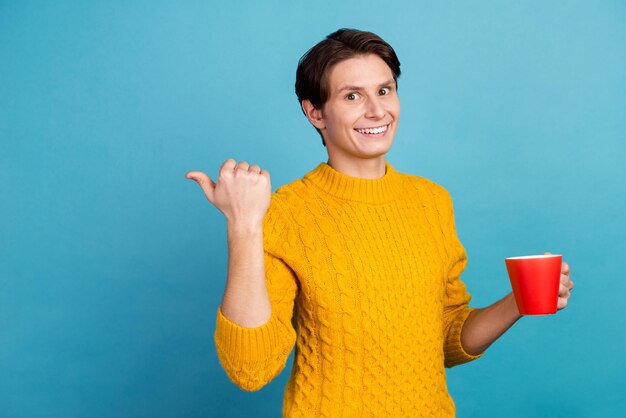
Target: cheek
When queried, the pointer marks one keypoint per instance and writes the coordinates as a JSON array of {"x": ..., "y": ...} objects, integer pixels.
[
  {"x": 346, "y": 121},
  {"x": 395, "y": 108},
  {"x": 354, "y": 117}
]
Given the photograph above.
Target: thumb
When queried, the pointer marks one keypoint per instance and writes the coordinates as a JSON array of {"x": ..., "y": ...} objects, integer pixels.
[
  {"x": 547, "y": 253},
  {"x": 205, "y": 182}
]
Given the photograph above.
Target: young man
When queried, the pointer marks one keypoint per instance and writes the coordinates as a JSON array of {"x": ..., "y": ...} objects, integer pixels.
[{"x": 356, "y": 264}]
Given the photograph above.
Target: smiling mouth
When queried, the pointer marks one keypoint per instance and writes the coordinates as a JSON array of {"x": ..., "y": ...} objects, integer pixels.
[{"x": 373, "y": 131}]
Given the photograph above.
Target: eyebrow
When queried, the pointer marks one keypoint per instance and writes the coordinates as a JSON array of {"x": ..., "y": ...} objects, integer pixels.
[{"x": 351, "y": 87}]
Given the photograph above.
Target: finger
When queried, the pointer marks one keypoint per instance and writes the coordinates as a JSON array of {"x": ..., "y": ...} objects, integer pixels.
[
  {"x": 547, "y": 253},
  {"x": 265, "y": 173},
  {"x": 196, "y": 175},
  {"x": 205, "y": 182},
  {"x": 242, "y": 165},
  {"x": 565, "y": 268},
  {"x": 566, "y": 281},
  {"x": 254, "y": 168},
  {"x": 228, "y": 165},
  {"x": 563, "y": 291}
]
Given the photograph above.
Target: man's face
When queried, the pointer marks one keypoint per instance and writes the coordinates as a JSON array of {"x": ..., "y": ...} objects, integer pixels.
[{"x": 360, "y": 118}]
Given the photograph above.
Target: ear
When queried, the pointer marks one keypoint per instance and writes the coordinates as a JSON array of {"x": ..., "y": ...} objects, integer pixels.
[{"x": 313, "y": 114}]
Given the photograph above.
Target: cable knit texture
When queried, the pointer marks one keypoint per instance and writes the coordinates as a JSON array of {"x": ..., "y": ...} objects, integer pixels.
[{"x": 363, "y": 277}]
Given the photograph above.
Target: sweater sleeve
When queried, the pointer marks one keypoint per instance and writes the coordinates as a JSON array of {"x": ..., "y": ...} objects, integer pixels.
[
  {"x": 252, "y": 357},
  {"x": 456, "y": 298}
]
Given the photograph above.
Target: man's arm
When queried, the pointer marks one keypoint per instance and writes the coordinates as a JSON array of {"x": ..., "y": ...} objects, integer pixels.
[
  {"x": 483, "y": 326},
  {"x": 246, "y": 301}
]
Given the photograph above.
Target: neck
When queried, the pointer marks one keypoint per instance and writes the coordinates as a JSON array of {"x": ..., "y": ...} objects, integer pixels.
[
  {"x": 366, "y": 168},
  {"x": 384, "y": 189}
]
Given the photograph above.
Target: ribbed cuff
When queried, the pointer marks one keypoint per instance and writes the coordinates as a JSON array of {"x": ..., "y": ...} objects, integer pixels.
[
  {"x": 249, "y": 345},
  {"x": 454, "y": 352}
]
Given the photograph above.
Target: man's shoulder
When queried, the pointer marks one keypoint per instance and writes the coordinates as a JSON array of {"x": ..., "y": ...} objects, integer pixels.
[
  {"x": 425, "y": 184},
  {"x": 289, "y": 199},
  {"x": 290, "y": 190},
  {"x": 287, "y": 193}
]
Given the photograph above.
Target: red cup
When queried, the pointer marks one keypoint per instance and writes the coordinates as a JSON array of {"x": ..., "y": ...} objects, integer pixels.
[{"x": 535, "y": 280}]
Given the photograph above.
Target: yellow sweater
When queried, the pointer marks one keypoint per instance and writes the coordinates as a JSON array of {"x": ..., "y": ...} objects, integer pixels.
[{"x": 363, "y": 276}]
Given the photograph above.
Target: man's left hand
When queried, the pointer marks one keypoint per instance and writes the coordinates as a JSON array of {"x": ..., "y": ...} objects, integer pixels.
[{"x": 565, "y": 286}]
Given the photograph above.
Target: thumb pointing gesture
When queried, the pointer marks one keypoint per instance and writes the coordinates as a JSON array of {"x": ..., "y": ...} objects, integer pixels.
[
  {"x": 242, "y": 191},
  {"x": 205, "y": 182}
]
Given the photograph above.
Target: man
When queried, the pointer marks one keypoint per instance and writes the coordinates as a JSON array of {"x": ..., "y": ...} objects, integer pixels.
[{"x": 356, "y": 264}]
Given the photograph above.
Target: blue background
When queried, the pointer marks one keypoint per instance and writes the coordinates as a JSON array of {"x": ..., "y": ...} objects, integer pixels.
[{"x": 112, "y": 264}]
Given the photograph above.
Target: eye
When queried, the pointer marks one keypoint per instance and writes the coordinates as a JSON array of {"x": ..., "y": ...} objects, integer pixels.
[
  {"x": 352, "y": 96},
  {"x": 384, "y": 91}
]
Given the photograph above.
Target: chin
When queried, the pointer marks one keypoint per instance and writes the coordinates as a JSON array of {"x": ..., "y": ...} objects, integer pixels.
[{"x": 373, "y": 152}]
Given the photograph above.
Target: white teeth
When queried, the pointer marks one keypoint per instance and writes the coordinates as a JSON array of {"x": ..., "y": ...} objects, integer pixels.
[{"x": 378, "y": 130}]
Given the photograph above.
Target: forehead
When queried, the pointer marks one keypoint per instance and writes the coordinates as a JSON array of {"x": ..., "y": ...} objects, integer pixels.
[{"x": 362, "y": 70}]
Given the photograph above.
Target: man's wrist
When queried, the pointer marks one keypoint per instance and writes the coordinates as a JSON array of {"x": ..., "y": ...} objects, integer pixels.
[
  {"x": 240, "y": 228},
  {"x": 512, "y": 304}
]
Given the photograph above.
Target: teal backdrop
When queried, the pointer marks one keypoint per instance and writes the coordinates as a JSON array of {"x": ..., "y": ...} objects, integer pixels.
[{"x": 112, "y": 264}]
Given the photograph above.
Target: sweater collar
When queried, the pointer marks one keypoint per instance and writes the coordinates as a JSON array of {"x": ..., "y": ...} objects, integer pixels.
[{"x": 342, "y": 186}]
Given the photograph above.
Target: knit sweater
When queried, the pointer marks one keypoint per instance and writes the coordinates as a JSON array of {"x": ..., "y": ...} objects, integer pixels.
[{"x": 363, "y": 277}]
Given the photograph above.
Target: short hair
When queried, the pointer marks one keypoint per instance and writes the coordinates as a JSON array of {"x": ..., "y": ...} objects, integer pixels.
[{"x": 314, "y": 66}]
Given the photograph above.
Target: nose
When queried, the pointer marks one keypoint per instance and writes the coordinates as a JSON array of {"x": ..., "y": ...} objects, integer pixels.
[{"x": 375, "y": 109}]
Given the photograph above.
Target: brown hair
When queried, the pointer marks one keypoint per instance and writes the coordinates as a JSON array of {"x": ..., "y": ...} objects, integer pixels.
[{"x": 314, "y": 66}]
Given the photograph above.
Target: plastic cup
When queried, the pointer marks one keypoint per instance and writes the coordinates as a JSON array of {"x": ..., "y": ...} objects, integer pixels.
[{"x": 535, "y": 280}]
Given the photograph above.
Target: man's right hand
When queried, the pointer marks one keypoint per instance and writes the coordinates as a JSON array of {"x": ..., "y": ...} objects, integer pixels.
[{"x": 242, "y": 192}]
